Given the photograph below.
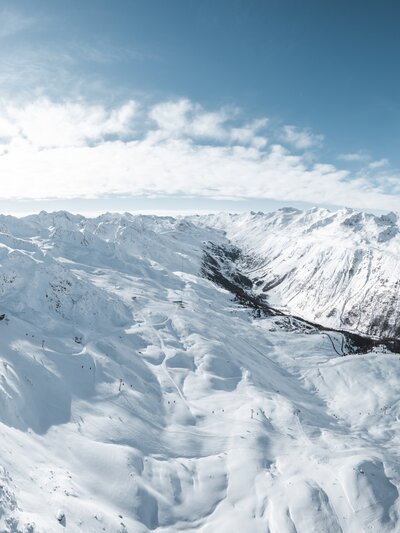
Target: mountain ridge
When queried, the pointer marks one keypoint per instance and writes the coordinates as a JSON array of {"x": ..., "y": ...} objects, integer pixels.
[{"x": 339, "y": 269}]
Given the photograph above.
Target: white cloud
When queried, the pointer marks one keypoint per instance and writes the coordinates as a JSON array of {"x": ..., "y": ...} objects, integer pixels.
[
  {"x": 380, "y": 163},
  {"x": 171, "y": 116},
  {"x": 301, "y": 139},
  {"x": 67, "y": 150},
  {"x": 45, "y": 124},
  {"x": 183, "y": 118}
]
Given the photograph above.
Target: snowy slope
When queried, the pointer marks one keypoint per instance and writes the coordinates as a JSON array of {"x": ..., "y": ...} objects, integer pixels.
[
  {"x": 137, "y": 396},
  {"x": 340, "y": 269}
]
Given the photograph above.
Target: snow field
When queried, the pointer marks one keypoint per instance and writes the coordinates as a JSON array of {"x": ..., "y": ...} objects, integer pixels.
[{"x": 148, "y": 401}]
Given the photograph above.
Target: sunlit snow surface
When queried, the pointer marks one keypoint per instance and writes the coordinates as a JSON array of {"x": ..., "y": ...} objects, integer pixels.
[
  {"x": 137, "y": 396},
  {"x": 340, "y": 269}
]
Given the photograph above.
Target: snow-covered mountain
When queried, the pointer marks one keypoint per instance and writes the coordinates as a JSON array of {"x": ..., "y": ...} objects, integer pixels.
[
  {"x": 340, "y": 269},
  {"x": 136, "y": 394}
]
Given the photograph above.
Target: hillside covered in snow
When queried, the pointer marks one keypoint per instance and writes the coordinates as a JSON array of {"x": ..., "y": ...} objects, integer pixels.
[
  {"x": 340, "y": 269},
  {"x": 207, "y": 374}
]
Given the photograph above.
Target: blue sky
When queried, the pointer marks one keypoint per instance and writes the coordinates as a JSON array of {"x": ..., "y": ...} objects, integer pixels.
[{"x": 199, "y": 105}]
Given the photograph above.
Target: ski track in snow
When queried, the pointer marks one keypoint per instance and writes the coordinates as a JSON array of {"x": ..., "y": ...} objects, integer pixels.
[{"x": 136, "y": 396}]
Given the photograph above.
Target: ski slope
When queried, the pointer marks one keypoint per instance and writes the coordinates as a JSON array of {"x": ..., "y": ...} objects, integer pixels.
[{"x": 137, "y": 396}]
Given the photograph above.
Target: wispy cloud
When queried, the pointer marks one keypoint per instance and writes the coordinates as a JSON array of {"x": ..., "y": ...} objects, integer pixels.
[
  {"x": 380, "y": 163},
  {"x": 52, "y": 66},
  {"x": 72, "y": 149},
  {"x": 301, "y": 139},
  {"x": 358, "y": 157},
  {"x": 13, "y": 22}
]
